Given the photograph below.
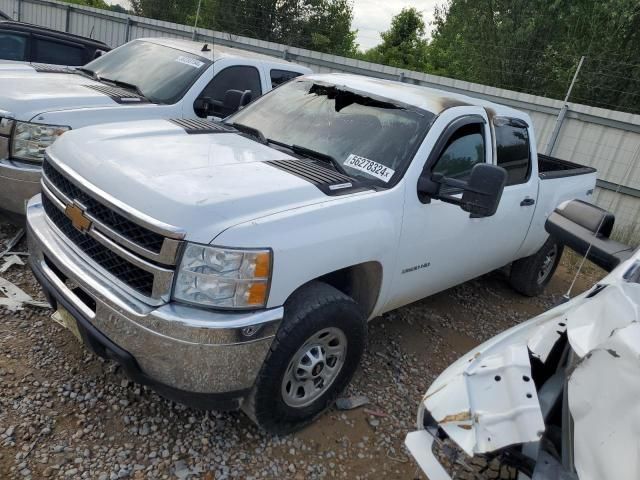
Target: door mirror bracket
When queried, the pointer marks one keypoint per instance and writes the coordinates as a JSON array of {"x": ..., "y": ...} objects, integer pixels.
[{"x": 480, "y": 194}]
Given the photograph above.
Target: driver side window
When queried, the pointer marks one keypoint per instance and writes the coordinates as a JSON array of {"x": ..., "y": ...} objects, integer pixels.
[
  {"x": 237, "y": 78},
  {"x": 464, "y": 149}
]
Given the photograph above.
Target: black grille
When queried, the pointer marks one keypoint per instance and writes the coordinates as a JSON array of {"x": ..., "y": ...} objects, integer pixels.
[
  {"x": 119, "y": 95},
  {"x": 132, "y": 231},
  {"x": 135, "y": 277},
  {"x": 200, "y": 126}
]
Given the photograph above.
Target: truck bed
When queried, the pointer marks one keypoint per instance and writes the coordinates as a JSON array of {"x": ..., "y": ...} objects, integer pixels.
[{"x": 552, "y": 167}]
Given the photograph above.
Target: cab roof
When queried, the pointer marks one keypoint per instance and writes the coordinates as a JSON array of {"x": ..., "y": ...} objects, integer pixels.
[
  {"x": 430, "y": 99},
  {"x": 31, "y": 28},
  {"x": 216, "y": 52}
]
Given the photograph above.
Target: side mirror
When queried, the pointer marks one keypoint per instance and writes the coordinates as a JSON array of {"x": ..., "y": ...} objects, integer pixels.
[
  {"x": 481, "y": 194},
  {"x": 203, "y": 106},
  {"x": 586, "y": 228}
]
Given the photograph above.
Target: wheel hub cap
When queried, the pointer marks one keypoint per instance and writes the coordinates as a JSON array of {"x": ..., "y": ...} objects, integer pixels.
[
  {"x": 547, "y": 264},
  {"x": 314, "y": 367}
]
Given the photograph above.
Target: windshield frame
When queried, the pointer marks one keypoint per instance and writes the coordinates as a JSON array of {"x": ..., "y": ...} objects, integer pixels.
[
  {"x": 361, "y": 180},
  {"x": 178, "y": 97}
]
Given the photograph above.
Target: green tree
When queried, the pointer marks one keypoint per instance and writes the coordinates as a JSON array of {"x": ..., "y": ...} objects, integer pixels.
[
  {"x": 176, "y": 11},
  {"x": 323, "y": 25},
  {"x": 90, "y": 3},
  {"x": 404, "y": 44},
  {"x": 535, "y": 45}
]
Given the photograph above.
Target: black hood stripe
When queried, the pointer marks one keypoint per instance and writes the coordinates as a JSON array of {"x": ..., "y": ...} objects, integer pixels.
[{"x": 119, "y": 95}]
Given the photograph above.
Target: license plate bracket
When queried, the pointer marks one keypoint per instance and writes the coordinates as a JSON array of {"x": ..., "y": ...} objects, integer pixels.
[{"x": 68, "y": 321}]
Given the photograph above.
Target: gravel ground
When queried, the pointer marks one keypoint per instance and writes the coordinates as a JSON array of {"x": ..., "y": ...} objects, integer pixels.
[{"x": 65, "y": 413}]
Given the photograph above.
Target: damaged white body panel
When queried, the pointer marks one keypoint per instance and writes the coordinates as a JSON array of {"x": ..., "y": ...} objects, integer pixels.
[{"x": 487, "y": 399}]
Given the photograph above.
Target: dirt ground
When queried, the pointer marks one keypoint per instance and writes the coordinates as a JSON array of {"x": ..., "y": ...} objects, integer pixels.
[{"x": 65, "y": 413}]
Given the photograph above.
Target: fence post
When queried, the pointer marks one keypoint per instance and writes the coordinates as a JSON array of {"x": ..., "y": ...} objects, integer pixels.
[
  {"x": 67, "y": 19},
  {"x": 195, "y": 25},
  {"x": 563, "y": 112},
  {"x": 127, "y": 35}
]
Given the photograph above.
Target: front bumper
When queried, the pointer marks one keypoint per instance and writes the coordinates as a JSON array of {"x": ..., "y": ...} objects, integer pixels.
[
  {"x": 199, "y": 357},
  {"x": 19, "y": 181},
  {"x": 420, "y": 445}
]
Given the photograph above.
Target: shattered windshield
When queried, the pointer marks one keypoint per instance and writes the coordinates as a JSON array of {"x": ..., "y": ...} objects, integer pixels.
[{"x": 370, "y": 138}]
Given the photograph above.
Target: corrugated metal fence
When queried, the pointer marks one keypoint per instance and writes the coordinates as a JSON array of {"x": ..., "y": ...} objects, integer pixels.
[{"x": 605, "y": 139}]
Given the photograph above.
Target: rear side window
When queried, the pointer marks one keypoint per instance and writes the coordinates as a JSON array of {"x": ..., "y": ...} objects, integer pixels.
[
  {"x": 278, "y": 77},
  {"x": 50, "y": 51},
  {"x": 239, "y": 78},
  {"x": 13, "y": 47},
  {"x": 464, "y": 149},
  {"x": 512, "y": 150}
]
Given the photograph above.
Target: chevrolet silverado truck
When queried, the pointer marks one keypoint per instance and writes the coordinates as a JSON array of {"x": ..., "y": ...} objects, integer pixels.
[
  {"x": 236, "y": 264},
  {"x": 143, "y": 79},
  {"x": 556, "y": 397}
]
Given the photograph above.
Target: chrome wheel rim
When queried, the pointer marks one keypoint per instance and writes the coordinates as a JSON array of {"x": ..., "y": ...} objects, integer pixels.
[
  {"x": 547, "y": 264},
  {"x": 314, "y": 367}
]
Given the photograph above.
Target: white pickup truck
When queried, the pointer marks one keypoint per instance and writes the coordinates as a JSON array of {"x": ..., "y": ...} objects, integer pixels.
[
  {"x": 149, "y": 78},
  {"x": 236, "y": 264}
]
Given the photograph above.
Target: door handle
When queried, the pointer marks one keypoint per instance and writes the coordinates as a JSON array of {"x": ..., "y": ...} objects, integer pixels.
[{"x": 527, "y": 202}]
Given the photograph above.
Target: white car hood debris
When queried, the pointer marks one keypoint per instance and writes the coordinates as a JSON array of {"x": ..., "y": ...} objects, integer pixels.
[
  {"x": 15, "y": 298},
  {"x": 486, "y": 400}
]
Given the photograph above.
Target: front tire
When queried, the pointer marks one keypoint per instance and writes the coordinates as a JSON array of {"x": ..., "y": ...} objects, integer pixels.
[
  {"x": 530, "y": 275},
  {"x": 313, "y": 357}
]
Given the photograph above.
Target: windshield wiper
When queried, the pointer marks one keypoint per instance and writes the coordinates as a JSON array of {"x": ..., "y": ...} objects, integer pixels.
[
  {"x": 323, "y": 157},
  {"x": 87, "y": 73},
  {"x": 254, "y": 132},
  {"x": 125, "y": 85}
]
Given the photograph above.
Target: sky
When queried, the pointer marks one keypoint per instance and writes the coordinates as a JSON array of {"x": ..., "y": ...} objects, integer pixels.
[{"x": 370, "y": 17}]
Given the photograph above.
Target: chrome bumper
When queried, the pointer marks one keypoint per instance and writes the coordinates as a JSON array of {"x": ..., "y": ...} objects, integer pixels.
[
  {"x": 19, "y": 182},
  {"x": 182, "y": 347}
]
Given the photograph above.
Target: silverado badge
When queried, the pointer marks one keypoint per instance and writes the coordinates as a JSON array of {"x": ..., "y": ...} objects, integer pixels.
[{"x": 77, "y": 217}]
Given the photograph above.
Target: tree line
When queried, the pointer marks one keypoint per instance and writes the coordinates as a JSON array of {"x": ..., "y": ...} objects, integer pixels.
[{"x": 525, "y": 45}]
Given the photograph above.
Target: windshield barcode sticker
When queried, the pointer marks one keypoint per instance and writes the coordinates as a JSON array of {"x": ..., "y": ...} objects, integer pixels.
[
  {"x": 370, "y": 167},
  {"x": 192, "y": 62}
]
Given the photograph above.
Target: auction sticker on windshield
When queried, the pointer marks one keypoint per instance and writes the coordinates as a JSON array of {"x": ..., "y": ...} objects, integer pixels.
[
  {"x": 370, "y": 167},
  {"x": 192, "y": 62}
]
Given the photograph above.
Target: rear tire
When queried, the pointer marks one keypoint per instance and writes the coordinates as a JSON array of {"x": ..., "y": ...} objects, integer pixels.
[
  {"x": 530, "y": 275},
  {"x": 313, "y": 357}
]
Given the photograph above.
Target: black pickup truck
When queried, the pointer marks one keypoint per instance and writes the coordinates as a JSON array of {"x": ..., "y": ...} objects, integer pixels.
[{"x": 32, "y": 43}]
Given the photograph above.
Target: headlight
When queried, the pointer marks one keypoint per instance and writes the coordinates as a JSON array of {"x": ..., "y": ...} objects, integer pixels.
[
  {"x": 221, "y": 277},
  {"x": 31, "y": 139}
]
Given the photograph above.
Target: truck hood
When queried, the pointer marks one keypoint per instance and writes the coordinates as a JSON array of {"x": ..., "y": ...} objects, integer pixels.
[
  {"x": 484, "y": 402},
  {"x": 26, "y": 93},
  {"x": 15, "y": 66},
  {"x": 202, "y": 184}
]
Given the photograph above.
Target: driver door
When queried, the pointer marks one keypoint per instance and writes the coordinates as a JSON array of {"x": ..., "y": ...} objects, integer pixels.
[{"x": 440, "y": 244}]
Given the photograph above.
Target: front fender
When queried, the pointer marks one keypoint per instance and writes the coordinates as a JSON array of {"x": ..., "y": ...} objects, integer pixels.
[{"x": 311, "y": 241}]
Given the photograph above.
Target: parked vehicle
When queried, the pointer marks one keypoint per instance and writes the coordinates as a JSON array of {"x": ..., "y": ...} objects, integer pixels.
[
  {"x": 554, "y": 397},
  {"x": 236, "y": 264},
  {"x": 31, "y": 43},
  {"x": 150, "y": 78}
]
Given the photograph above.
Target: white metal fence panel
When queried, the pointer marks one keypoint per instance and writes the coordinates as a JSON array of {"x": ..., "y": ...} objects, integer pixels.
[{"x": 605, "y": 139}]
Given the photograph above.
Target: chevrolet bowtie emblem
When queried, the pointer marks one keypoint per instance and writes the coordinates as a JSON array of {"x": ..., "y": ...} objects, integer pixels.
[{"x": 77, "y": 217}]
